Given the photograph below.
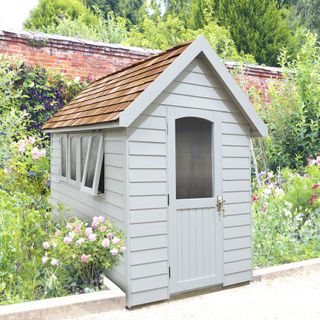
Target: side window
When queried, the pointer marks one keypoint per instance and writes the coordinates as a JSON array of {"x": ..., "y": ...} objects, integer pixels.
[
  {"x": 63, "y": 145},
  {"x": 82, "y": 161},
  {"x": 83, "y": 153},
  {"x": 73, "y": 141},
  {"x": 193, "y": 158},
  {"x": 93, "y": 165}
]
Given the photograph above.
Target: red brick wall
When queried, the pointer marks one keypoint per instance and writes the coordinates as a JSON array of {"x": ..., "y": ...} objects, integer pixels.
[
  {"x": 83, "y": 58},
  {"x": 71, "y": 56}
]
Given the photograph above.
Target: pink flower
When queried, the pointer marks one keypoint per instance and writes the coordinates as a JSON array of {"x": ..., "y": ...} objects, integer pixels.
[
  {"x": 21, "y": 146},
  {"x": 44, "y": 259},
  {"x": 110, "y": 235},
  {"x": 69, "y": 226},
  {"x": 84, "y": 258},
  {"x": 315, "y": 186},
  {"x": 312, "y": 199},
  {"x": 103, "y": 228},
  {"x": 46, "y": 245},
  {"x": 114, "y": 251},
  {"x": 57, "y": 233},
  {"x": 318, "y": 160},
  {"x": 105, "y": 243},
  {"x": 54, "y": 262},
  {"x": 115, "y": 240},
  {"x": 77, "y": 229},
  {"x": 42, "y": 153},
  {"x": 92, "y": 237},
  {"x": 311, "y": 161},
  {"x": 101, "y": 219},
  {"x": 67, "y": 240},
  {"x": 96, "y": 221},
  {"x": 80, "y": 241},
  {"x": 123, "y": 249},
  {"x": 31, "y": 140},
  {"x": 88, "y": 231},
  {"x": 35, "y": 153}
]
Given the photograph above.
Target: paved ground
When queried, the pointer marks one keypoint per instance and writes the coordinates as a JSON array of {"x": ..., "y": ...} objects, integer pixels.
[{"x": 295, "y": 297}]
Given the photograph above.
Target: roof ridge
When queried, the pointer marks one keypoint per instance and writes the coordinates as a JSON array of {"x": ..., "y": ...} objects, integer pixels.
[{"x": 142, "y": 61}]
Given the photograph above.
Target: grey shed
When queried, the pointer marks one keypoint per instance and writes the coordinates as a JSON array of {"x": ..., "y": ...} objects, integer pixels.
[{"x": 161, "y": 147}]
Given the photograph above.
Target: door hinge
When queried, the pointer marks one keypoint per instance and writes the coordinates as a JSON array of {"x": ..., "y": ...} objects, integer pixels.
[
  {"x": 169, "y": 272},
  {"x": 168, "y": 199}
]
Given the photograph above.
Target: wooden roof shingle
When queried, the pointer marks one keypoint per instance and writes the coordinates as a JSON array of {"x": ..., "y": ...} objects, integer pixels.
[{"x": 104, "y": 99}]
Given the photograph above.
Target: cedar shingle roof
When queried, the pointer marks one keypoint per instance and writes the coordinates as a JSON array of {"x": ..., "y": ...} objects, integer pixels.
[{"x": 104, "y": 99}]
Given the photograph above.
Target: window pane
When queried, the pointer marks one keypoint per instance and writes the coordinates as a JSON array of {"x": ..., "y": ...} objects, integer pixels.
[
  {"x": 193, "y": 158},
  {"x": 73, "y": 159},
  {"x": 93, "y": 153},
  {"x": 101, "y": 179},
  {"x": 84, "y": 147},
  {"x": 63, "y": 157}
]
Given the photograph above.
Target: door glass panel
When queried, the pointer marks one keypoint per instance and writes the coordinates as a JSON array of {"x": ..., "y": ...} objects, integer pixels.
[
  {"x": 73, "y": 159},
  {"x": 84, "y": 147},
  {"x": 93, "y": 155},
  {"x": 193, "y": 158},
  {"x": 63, "y": 156}
]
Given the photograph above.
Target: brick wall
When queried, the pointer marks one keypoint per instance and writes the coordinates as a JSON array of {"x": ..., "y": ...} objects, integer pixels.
[
  {"x": 71, "y": 56},
  {"x": 83, "y": 58}
]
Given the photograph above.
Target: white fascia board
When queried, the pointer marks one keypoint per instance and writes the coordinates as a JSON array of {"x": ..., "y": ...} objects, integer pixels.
[
  {"x": 200, "y": 45},
  {"x": 101, "y": 126}
]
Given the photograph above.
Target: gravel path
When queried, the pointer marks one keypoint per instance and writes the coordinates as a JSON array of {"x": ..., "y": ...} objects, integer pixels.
[{"x": 295, "y": 297}]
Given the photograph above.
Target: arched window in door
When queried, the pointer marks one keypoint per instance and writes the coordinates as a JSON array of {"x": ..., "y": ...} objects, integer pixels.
[{"x": 193, "y": 158}]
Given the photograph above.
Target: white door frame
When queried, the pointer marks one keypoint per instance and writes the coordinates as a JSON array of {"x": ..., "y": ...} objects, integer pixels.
[{"x": 215, "y": 118}]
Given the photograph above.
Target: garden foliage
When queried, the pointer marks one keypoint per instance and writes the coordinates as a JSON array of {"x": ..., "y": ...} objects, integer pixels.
[
  {"x": 293, "y": 114},
  {"x": 286, "y": 216},
  {"x": 29, "y": 97}
]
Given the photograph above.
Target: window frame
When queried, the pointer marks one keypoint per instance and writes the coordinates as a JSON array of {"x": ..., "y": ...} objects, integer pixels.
[
  {"x": 77, "y": 137},
  {"x": 97, "y": 171},
  {"x": 64, "y": 137}
]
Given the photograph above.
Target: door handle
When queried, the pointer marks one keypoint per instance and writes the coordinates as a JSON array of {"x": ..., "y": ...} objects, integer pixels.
[{"x": 220, "y": 205}]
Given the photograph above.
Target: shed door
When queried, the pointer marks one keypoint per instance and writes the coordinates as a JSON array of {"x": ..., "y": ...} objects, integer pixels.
[{"x": 195, "y": 226}]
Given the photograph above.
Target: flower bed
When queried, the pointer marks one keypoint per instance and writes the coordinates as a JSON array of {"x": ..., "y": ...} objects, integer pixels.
[{"x": 286, "y": 216}]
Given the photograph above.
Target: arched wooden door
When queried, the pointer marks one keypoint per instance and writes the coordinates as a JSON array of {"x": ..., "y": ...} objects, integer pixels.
[{"x": 195, "y": 226}]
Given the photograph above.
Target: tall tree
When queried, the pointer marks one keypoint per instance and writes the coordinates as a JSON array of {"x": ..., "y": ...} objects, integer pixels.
[
  {"x": 308, "y": 13},
  {"x": 130, "y": 9},
  {"x": 257, "y": 27},
  {"x": 49, "y": 13}
]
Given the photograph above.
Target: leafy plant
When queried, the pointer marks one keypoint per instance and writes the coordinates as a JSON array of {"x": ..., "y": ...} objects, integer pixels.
[
  {"x": 76, "y": 255},
  {"x": 286, "y": 217}
]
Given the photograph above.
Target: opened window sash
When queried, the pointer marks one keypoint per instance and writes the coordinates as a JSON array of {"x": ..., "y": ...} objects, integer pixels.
[{"x": 92, "y": 165}]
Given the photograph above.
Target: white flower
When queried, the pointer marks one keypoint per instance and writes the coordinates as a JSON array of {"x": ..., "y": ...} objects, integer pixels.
[
  {"x": 54, "y": 262},
  {"x": 77, "y": 79},
  {"x": 44, "y": 259}
]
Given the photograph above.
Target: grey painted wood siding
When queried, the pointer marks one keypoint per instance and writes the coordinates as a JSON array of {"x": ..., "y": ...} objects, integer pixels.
[
  {"x": 147, "y": 188},
  {"x": 112, "y": 204},
  {"x": 147, "y": 178}
]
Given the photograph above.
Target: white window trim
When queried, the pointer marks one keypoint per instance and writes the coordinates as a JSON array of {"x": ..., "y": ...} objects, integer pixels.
[
  {"x": 62, "y": 178},
  {"x": 76, "y": 182},
  {"x": 97, "y": 171}
]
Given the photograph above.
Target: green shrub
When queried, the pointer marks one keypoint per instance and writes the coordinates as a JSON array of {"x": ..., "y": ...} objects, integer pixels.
[{"x": 286, "y": 217}]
